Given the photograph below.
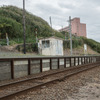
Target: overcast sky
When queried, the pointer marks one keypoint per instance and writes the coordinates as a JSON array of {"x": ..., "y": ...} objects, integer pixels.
[{"x": 60, "y": 10}]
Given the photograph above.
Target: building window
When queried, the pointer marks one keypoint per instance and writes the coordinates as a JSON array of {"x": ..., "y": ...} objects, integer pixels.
[{"x": 46, "y": 44}]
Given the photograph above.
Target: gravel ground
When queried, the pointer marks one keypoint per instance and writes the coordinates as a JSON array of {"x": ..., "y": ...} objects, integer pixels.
[{"x": 83, "y": 86}]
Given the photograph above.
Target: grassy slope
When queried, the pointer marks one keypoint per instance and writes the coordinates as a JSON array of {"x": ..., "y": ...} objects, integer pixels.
[{"x": 13, "y": 16}]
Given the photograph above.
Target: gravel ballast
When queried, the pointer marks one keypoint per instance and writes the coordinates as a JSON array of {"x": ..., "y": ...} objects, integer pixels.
[{"x": 83, "y": 86}]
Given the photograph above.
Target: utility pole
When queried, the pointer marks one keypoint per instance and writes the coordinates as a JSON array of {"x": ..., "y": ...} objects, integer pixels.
[
  {"x": 71, "y": 53},
  {"x": 50, "y": 21},
  {"x": 24, "y": 26},
  {"x": 51, "y": 24}
]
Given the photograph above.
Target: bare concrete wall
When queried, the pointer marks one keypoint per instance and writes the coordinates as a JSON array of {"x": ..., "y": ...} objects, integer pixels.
[
  {"x": 35, "y": 66},
  {"x": 5, "y": 70},
  {"x": 21, "y": 67}
]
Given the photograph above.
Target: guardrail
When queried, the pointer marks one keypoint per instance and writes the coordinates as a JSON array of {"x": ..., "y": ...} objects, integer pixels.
[{"x": 11, "y": 68}]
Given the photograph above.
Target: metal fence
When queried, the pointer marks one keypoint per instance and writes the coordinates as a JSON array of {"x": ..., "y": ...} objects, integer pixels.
[{"x": 11, "y": 68}]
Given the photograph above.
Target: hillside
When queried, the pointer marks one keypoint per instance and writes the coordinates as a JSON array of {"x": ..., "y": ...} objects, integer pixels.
[
  {"x": 11, "y": 22},
  {"x": 80, "y": 51}
]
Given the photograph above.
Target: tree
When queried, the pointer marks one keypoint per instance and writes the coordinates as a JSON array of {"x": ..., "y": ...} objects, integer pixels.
[{"x": 4, "y": 28}]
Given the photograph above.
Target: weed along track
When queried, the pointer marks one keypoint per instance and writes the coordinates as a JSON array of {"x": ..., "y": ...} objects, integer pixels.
[{"x": 10, "y": 90}]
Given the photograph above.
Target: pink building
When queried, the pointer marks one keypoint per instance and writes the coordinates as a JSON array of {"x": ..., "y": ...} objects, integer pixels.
[{"x": 77, "y": 28}]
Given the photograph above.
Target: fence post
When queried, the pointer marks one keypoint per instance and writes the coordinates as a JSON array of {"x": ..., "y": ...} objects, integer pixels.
[
  {"x": 41, "y": 65},
  {"x": 50, "y": 64},
  {"x": 89, "y": 60},
  {"x": 84, "y": 60},
  {"x": 12, "y": 69},
  {"x": 81, "y": 60},
  {"x": 58, "y": 63},
  {"x": 70, "y": 62},
  {"x": 74, "y": 61},
  {"x": 64, "y": 62},
  {"x": 29, "y": 67},
  {"x": 78, "y": 60}
]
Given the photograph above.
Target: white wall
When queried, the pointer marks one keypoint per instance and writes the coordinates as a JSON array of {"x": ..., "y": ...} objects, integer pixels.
[{"x": 56, "y": 47}]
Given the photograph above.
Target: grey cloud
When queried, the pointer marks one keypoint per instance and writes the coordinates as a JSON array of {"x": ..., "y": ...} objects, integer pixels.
[
  {"x": 66, "y": 6},
  {"x": 48, "y": 9},
  {"x": 97, "y": 2}
]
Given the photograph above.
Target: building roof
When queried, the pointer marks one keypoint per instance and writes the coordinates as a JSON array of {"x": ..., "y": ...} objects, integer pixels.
[{"x": 51, "y": 37}]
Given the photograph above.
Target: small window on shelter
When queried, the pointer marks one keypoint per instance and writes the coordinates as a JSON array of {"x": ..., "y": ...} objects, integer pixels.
[{"x": 45, "y": 44}]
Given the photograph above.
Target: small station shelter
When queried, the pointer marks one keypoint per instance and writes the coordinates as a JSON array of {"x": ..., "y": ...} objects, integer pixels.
[{"x": 50, "y": 46}]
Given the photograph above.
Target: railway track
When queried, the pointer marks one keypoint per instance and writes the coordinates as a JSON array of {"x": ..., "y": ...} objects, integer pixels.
[{"x": 10, "y": 90}]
